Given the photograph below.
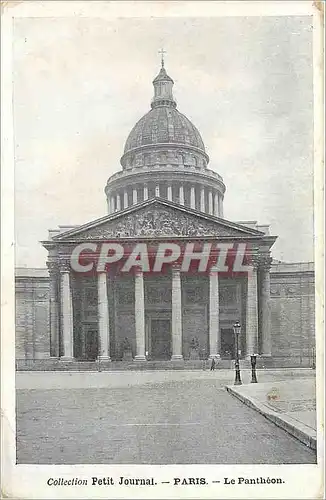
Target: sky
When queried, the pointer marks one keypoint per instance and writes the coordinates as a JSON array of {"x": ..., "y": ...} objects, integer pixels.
[{"x": 81, "y": 84}]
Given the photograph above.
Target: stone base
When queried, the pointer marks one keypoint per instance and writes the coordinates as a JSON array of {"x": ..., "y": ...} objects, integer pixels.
[
  {"x": 176, "y": 357},
  {"x": 140, "y": 357},
  {"x": 103, "y": 359},
  {"x": 216, "y": 356},
  {"x": 67, "y": 358}
]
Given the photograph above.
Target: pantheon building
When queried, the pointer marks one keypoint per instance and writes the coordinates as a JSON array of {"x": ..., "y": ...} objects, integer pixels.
[{"x": 166, "y": 191}]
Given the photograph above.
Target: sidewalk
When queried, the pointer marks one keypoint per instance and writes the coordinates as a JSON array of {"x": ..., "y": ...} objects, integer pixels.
[{"x": 290, "y": 404}]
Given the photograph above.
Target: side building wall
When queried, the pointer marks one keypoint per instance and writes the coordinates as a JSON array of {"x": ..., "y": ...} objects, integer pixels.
[
  {"x": 292, "y": 315},
  {"x": 32, "y": 315}
]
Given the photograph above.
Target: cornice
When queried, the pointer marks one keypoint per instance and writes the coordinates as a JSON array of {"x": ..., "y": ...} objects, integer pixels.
[
  {"x": 164, "y": 145},
  {"x": 142, "y": 175}
]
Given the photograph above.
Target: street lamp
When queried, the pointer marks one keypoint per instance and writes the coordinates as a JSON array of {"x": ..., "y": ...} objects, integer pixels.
[
  {"x": 237, "y": 331},
  {"x": 253, "y": 359}
]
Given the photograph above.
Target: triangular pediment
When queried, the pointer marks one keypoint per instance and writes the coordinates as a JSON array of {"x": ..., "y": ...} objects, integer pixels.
[{"x": 157, "y": 218}]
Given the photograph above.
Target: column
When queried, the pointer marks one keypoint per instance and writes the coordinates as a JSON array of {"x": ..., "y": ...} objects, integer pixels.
[
  {"x": 181, "y": 195},
  {"x": 145, "y": 192},
  {"x": 214, "y": 316},
  {"x": 103, "y": 318},
  {"x": 210, "y": 202},
  {"x": 112, "y": 205},
  {"x": 192, "y": 197},
  {"x": 265, "y": 287},
  {"x": 125, "y": 199},
  {"x": 157, "y": 191},
  {"x": 176, "y": 314},
  {"x": 216, "y": 205},
  {"x": 54, "y": 310},
  {"x": 140, "y": 316},
  {"x": 109, "y": 205},
  {"x": 220, "y": 206},
  {"x": 202, "y": 200},
  {"x": 66, "y": 313},
  {"x": 118, "y": 203},
  {"x": 252, "y": 312},
  {"x": 170, "y": 193},
  {"x": 134, "y": 196}
]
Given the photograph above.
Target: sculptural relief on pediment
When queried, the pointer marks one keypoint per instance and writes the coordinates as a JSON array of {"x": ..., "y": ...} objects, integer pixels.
[{"x": 157, "y": 222}]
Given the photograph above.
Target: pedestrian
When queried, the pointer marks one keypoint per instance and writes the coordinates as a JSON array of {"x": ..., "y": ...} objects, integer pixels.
[{"x": 213, "y": 364}]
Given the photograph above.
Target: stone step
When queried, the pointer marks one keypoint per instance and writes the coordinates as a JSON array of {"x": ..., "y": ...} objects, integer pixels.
[{"x": 52, "y": 364}]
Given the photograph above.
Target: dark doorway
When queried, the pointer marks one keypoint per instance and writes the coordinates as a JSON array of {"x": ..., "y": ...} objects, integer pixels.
[
  {"x": 227, "y": 343},
  {"x": 160, "y": 339},
  {"x": 91, "y": 344}
]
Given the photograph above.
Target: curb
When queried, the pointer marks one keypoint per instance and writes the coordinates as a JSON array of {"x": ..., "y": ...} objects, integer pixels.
[{"x": 297, "y": 430}]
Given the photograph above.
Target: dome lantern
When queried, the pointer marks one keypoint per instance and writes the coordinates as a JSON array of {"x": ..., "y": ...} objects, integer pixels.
[{"x": 163, "y": 84}]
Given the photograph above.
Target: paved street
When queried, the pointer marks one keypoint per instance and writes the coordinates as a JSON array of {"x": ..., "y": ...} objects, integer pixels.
[{"x": 155, "y": 419}]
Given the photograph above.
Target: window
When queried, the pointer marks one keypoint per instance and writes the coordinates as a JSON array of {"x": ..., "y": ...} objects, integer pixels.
[{"x": 180, "y": 158}]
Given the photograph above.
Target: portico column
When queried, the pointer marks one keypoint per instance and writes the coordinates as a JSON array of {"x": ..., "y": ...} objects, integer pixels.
[
  {"x": 139, "y": 316},
  {"x": 216, "y": 205},
  {"x": 252, "y": 312},
  {"x": 265, "y": 284},
  {"x": 67, "y": 313},
  {"x": 170, "y": 193},
  {"x": 192, "y": 197},
  {"x": 181, "y": 195},
  {"x": 118, "y": 203},
  {"x": 125, "y": 199},
  {"x": 210, "y": 202},
  {"x": 103, "y": 317},
  {"x": 112, "y": 205},
  {"x": 176, "y": 314},
  {"x": 157, "y": 191},
  {"x": 202, "y": 200},
  {"x": 134, "y": 196},
  {"x": 109, "y": 205},
  {"x": 214, "y": 316},
  {"x": 145, "y": 192},
  {"x": 54, "y": 310}
]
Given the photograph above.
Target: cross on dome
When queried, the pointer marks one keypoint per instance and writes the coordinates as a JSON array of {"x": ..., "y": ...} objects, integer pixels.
[{"x": 162, "y": 52}]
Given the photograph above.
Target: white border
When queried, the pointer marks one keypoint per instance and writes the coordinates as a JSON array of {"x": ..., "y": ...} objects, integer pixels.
[{"x": 25, "y": 481}]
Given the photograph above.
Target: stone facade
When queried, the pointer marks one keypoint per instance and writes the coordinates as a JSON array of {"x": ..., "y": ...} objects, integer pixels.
[{"x": 292, "y": 314}]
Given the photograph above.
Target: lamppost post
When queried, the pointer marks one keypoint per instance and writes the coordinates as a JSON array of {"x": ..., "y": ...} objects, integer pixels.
[
  {"x": 253, "y": 369},
  {"x": 237, "y": 331}
]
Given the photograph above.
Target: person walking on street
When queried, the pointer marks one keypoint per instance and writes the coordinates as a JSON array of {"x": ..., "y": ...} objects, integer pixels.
[{"x": 213, "y": 364}]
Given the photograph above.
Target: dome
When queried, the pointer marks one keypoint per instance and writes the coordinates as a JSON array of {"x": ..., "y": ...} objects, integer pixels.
[
  {"x": 164, "y": 157},
  {"x": 164, "y": 124}
]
